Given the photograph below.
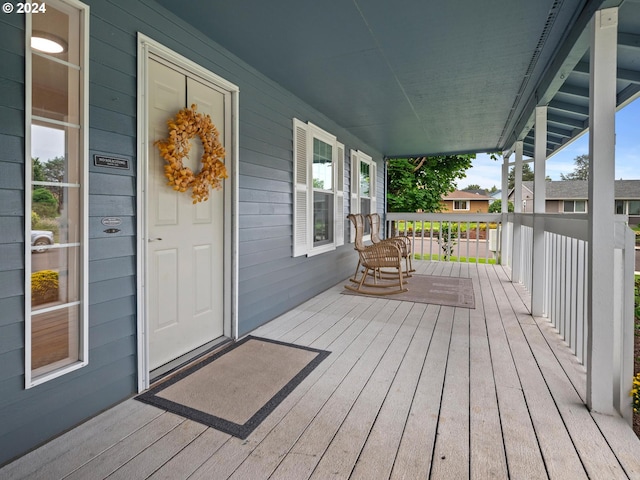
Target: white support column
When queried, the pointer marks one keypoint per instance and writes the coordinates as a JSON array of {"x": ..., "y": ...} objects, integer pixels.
[
  {"x": 505, "y": 249},
  {"x": 539, "y": 202},
  {"x": 516, "y": 268},
  {"x": 601, "y": 291}
]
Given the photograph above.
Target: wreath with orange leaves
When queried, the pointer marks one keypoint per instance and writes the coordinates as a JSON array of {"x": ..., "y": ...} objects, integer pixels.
[{"x": 186, "y": 125}]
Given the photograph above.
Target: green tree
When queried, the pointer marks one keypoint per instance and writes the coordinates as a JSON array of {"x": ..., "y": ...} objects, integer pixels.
[
  {"x": 473, "y": 186},
  {"x": 419, "y": 183},
  {"x": 37, "y": 172},
  {"x": 581, "y": 170},
  {"x": 527, "y": 175},
  {"x": 44, "y": 203},
  {"x": 496, "y": 206},
  {"x": 54, "y": 171}
]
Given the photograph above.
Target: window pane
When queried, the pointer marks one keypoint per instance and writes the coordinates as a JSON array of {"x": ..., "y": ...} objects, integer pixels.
[
  {"x": 580, "y": 206},
  {"x": 55, "y": 211},
  {"x": 61, "y": 27},
  {"x": 365, "y": 209},
  {"x": 634, "y": 207},
  {"x": 568, "y": 206},
  {"x": 619, "y": 207},
  {"x": 322, "y": 165},
  {"x": 54, "y": 339},
  {"x": 322, "y": 218},
  {"x": 365, "y": 180},
  {"x": 56, "y": 277},
  {"x": 55, "y": 90},
  {"x": 54, "y": 151}
]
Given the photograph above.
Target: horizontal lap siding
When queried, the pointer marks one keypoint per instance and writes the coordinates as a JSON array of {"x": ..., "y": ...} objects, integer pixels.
[
  {"x": 11, "y": 215},
  {"x": 271, "y": 281}
]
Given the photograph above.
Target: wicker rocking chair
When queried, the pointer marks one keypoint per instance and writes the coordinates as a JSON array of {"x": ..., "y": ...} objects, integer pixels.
[
  {"x": 374, "y": 258},
  {"x": 403, "y": 242}
]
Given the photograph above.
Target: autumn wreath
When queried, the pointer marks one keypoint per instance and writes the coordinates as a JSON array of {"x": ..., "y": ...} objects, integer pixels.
[{"x": 186, "y": 125}]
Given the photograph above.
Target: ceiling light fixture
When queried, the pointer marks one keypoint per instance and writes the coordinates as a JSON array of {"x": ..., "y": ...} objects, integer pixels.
[{"x": 47, "y": 43}]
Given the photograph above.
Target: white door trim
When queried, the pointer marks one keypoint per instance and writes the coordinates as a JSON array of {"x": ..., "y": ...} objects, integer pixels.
[{"x": 148, "y": 47}]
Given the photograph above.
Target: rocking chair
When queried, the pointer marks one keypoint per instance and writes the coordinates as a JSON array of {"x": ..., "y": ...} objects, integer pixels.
[
  {"x": 373, "y": 259},
  {"x": 404, "y": 242}
]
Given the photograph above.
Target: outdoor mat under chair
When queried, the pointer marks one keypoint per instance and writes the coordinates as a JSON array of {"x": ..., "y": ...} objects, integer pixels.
[
  {"x": 450, "y": 291},
  {"x": 235, "y": 389}
]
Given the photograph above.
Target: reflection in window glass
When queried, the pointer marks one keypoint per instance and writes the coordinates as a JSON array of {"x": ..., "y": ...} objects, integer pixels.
[
  {"x": 50, "y": 94},
  {"x": 57, "y": 214},
  {"x": 619, "y": 207},
  {"x": 322, "y": 165},
  {"x": 322, "y": 218},
  {"x": 634, "y": 207},
  {"x": 365, "y": 180}
]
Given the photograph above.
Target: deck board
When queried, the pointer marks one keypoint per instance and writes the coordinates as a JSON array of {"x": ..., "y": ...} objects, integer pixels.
[{"x": 409, "y": 391}]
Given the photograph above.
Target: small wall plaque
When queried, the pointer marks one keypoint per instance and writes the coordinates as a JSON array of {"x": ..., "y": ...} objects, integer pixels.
[
  {"x": 111, "y": 221},
  {"x": 111, "y": 162}
]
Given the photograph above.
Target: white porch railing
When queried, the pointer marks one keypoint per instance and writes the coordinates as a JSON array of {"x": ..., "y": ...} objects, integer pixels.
[
  {"x": 449, "y": 237},
  {"x": 564, "y": 295}
]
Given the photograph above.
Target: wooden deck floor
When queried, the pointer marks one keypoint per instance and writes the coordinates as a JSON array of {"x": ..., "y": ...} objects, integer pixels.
[{"x": 410, "y": 391}]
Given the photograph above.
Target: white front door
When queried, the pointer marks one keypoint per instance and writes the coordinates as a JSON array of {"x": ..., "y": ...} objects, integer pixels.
[{"x": 185, "y": 242}]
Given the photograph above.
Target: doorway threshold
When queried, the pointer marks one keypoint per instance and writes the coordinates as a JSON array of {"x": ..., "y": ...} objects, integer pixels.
[{"x": 183, "y": 361}]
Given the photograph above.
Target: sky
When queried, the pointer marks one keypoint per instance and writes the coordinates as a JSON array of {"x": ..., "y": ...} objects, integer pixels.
[{"x": 486, "y": 172}]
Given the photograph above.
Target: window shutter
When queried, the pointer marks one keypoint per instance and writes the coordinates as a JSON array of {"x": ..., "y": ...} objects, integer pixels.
[
  {"x": 300, "y": 193},
  {"x": 339, "y": 213},
  {"x": 355, "y": 180}
]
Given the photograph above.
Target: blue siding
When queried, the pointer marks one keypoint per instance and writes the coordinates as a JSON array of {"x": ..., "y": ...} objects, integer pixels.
[{"x": 271, "y": 281}]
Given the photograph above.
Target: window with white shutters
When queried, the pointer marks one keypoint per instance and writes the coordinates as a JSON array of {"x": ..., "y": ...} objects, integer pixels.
[{"x": 318, "y": 200}]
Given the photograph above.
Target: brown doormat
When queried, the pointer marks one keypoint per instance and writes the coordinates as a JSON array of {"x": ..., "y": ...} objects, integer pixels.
[
  {"x": 236, "y": 389},
  {"x": 451, "y": 291}
]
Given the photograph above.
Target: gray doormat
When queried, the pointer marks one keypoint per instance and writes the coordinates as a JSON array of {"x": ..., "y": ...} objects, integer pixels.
[
  {"x": 236, "y": 389},
  {"x": 451, "y": 291}
]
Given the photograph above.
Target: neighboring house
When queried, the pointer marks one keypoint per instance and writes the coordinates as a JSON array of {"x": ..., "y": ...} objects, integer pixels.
[
  {"x": 571, "y": 196},
  {"x": 461, "y": 201}
]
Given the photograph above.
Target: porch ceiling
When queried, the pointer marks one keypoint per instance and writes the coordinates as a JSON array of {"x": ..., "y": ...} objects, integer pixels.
[{"x": 414, "y": 77}]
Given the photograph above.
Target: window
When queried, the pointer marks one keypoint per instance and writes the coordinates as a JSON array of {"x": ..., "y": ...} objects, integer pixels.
[
  {"x": 319, "y": 199},
  {"x": 363, "y": 186},
  {"x": 574, "y": 206},
  {"x": 461, "y": 205},
  {"x": 619, "y": 207},
  {"x": 633, "y": 207},
  {"x": 56, "y": 197}
]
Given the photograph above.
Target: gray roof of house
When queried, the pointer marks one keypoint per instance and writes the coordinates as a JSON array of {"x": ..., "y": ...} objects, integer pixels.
[{"x": 579, "y": 189}]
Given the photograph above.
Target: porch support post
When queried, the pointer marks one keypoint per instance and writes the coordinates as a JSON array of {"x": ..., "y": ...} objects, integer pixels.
[
  {"x": 539, "y": 202},
  {"x": 504, "y": 236},
  {"x": 516, "y": 268},
  {"x": 601, "y": 290}
]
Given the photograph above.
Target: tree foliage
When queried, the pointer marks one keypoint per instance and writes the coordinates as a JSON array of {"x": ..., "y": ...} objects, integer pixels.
[
  {"x": 419, "y": 183},
  {"x": 37, "y": 172},
  {"x": 527, "y": 175},
  {"x": 44, "y": 203},
  {"x": 581, "y": 170},
  {"x": 52, "y": 170},
  {"x": 496, "y": 207}
]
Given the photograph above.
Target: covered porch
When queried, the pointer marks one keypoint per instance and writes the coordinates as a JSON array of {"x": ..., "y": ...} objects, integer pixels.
[{"x": 410, "y": 390}]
